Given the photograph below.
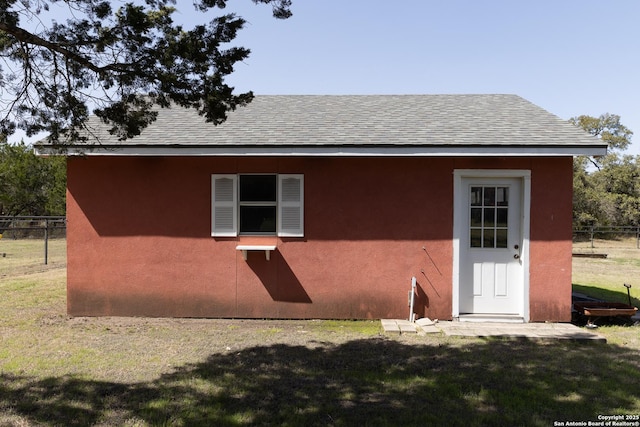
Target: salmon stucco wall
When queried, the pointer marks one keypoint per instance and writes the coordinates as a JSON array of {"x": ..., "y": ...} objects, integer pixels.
[
  {"x": 551, "y": 241},
  {"x": 139, "y": 239}
]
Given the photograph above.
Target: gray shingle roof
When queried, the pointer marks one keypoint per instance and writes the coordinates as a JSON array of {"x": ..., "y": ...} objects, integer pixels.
[{"x": 308, "y": 121}]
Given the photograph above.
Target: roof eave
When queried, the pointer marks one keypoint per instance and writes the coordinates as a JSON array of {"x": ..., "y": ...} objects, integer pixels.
[{"x": 329, "y": 150}]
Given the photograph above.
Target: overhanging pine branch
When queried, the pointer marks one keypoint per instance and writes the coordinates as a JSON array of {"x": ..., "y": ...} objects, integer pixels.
[{"x": 30, "y": 38}]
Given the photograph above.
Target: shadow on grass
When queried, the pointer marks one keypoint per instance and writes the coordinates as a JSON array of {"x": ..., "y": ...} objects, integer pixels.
[
  {"x": 607, "y": 294},
  {"x": 363, "y": 382}
]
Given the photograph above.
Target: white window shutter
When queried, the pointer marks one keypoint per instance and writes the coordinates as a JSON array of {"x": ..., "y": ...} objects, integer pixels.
[
  {"x": 224, "y": 197},
  {"x": 291, "y": 205}
]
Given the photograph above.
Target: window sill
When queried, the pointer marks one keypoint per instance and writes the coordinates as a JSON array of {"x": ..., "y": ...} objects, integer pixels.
[{"x": 246, "y": 248}]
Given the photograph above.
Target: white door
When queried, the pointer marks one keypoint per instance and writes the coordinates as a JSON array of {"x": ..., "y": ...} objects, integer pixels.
[{"x": 491, "y": 276}]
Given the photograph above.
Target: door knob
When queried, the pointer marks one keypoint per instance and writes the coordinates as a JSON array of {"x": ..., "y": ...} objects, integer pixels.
[{"x": 516, "y": 256}]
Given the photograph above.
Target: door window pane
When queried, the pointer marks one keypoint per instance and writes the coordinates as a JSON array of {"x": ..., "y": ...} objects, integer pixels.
[
  {"x": 476, "y": 238},
  {"x": 488, "y": 216},
  {"x": 476, "y": 217},
  {"x": 489, "y": 196},
  {"x": 502, "y": 196},
  {"x": 488, "y": 238},
  {"x": 501, "y": 238},
  {"x": 502, "y": 216},
  {"x": 476, "y": 196}
]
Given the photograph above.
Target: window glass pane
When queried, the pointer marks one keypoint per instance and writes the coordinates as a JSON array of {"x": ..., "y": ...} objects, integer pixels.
[
  {"x": 476, "y": 196},
  {"x": 501, "y": 238},
  {"x": 476, "y": 217},
  {"x": 487, "y": 241},
  {"x": 476, "y": 238},
  {"x": 489, "y": 196},
  {"x": 502, "y": 217},
  {"x": 489, "y": 217},
  {"x": 257, "y": 188},
  {"x": 502, "y": 196},
  {"x": 257, "y": 219}
]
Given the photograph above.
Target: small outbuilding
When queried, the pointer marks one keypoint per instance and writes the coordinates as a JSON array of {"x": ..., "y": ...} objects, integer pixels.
[{"x": 327, "y": 207}]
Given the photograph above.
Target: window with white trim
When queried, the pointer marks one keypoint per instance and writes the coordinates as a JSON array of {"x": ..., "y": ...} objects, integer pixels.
[{"x": 257, "y": 204}]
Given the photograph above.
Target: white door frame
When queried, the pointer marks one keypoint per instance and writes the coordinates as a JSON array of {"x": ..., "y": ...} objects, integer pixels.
[{"x": 458, "y": 226}]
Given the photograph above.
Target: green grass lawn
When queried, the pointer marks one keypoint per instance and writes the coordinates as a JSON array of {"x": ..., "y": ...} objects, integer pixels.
[
  {"x": 604, "y": 278},
  {"x": 56, "y": 370}
]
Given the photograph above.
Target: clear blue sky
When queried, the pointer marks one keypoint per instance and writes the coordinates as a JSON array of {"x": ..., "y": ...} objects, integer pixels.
[{"x": 570, "y": 57}]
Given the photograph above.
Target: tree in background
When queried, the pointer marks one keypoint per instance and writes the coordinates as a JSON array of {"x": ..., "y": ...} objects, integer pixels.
[
  {"x": 606, "y": 191},
  {"x": 121, "y": 61},
  {"x": 31, "y": 185},
  {"x": 606, "y": 127},
  {"x": 617, "y": 186}
]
